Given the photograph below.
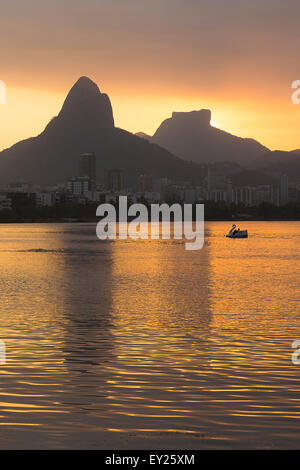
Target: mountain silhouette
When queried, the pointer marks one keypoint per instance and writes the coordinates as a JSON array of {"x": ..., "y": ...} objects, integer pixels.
[
  {"x": 86, "y": 124},
  {"x": 143, "y": 135},
  {"x": 281, "y": 162},
  {"x": 190, "y": 136}
]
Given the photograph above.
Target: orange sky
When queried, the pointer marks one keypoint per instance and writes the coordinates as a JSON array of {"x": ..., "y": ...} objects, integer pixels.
[{"x": 237, "y": 58}]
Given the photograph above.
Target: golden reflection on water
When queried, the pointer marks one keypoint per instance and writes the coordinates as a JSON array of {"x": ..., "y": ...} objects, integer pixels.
[{"x": 147, "y": 337}]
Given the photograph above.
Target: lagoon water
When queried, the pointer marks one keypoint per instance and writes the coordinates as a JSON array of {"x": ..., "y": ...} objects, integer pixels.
[{"x": 132, "y": 344}]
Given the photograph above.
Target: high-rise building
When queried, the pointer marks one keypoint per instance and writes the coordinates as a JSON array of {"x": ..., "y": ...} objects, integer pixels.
[
  {"x": 44, "y": 199},
  {"x": 284, "y": 190},
  {"x": 217, "y": 195},
  {"x": 5, "y": 203},
  {"x": 79, "y": 185},
  {"x": 160, "y": 184},
  {"x": 145, "y": 183},
  {"x": 116, "y": 180},
  {"x": 243, "y": 195},
  {"x": 87, "y": 168},
  {"x": 264, "y": 194}
]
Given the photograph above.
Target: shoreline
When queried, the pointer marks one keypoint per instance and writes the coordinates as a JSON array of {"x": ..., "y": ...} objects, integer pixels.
[{"x": 130, "y": 219}]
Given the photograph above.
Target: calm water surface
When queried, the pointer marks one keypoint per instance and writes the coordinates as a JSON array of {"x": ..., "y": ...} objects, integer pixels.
[{"x": 109, "y": 342}]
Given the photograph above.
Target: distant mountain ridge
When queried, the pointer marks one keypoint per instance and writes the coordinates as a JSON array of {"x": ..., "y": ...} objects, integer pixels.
[
  {"x": 142, "y": 135},
  {"x": 280, "y": 162},
  {"x": 86, "y": 124},
  {"x": 190, "y": 136}
]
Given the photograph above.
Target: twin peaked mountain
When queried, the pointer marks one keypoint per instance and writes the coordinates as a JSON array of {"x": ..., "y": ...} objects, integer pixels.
[{"x": 86, "y": 124}]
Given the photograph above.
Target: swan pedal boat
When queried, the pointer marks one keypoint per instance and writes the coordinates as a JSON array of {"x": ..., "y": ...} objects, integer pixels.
[{"x": 237, "y": 233}]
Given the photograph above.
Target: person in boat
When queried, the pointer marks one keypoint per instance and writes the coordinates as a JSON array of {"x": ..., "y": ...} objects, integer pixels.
[{"x": 234, "y": 230}]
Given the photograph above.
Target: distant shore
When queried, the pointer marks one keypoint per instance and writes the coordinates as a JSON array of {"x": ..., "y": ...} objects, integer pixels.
[
  {"x": 96, "y": 220},
  {"x": 78, "y": 213}
]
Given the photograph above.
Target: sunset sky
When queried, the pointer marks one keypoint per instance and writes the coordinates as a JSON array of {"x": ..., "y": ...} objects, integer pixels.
[{"x": 236, "y": 57}]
